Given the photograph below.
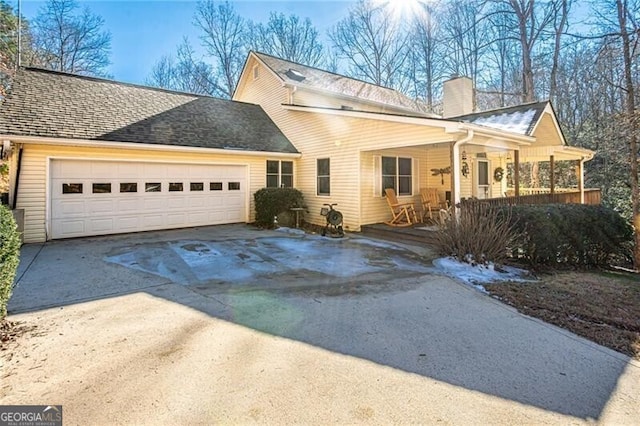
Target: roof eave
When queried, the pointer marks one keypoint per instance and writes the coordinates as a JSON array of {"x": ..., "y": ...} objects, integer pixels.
[
  {"x": 450, "y": 126},
  {"x": 96, "y": 143},
  {"x": 357, "y": 99}
]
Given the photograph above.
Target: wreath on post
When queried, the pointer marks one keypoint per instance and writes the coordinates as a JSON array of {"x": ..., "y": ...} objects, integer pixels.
[{"x": 498, "y": 174}]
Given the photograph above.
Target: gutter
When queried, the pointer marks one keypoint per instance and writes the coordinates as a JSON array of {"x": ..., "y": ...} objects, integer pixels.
[{"x": 39, "y": 140}]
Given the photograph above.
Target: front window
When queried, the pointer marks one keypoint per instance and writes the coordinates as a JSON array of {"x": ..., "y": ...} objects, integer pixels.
[
  {"x": 324, "y": 176},
  {"x": 397, "y": 174},
  {"x": 279, "y": 174}
]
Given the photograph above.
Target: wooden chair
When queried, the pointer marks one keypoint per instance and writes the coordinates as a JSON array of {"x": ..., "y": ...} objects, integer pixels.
[
  {"x": 404, "y": 214},
  {"x": 431, "y": 202}
]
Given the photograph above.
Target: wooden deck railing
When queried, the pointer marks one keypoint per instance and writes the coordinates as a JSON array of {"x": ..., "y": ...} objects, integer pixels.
[{"x": 591, "y": 196}]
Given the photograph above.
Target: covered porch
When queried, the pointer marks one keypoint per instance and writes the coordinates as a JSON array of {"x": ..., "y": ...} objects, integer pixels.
[{"x": 481, "y": 169}]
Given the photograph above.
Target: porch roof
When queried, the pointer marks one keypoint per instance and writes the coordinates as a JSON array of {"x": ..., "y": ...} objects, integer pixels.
[
  {"x": 520, "y": 119},
  {"x": 559, "y": 152}
]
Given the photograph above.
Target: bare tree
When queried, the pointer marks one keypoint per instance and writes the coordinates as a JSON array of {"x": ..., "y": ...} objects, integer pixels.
[
  {"x": 466, "y": 36},
  {"x": 185, "y": 73},
  {"x": 532, "y": 21},
  {"x": 9, "y": 44},
  {"x": 289, "y": 38},
  {"x": 69, "y": 40},
  {"x": 373, "y": 43},
  {"x": 225, "y": 40},
  {"x": 628, "y": 19},
  {"x": 560, "y": 23},
  {"x": 425, "y": 66}
]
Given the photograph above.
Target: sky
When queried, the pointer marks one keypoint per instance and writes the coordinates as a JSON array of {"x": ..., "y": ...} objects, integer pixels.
[{"x": 145, "y": 30}]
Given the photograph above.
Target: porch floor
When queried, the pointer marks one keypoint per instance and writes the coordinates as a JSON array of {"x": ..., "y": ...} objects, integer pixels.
[{"x": 410, "y": 234}]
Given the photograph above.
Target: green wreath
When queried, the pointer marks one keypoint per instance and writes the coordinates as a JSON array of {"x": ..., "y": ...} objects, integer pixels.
[{"x": 498, "y": 174}]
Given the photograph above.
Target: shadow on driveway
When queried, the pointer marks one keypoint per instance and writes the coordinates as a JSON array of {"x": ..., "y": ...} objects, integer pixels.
[{"x": 367, "y": 299}]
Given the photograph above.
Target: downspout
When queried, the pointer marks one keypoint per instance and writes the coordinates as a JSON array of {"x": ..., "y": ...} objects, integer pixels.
[
  {"x": 455, "y": 153},
  {"x": 15, "y": 188}
]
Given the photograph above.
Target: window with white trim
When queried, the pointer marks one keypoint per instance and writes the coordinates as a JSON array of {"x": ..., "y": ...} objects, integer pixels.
[
  {"x": 397, "y": 173},
  {"x": 279, "y": 174},
  {"x": 323, "y": 170}
]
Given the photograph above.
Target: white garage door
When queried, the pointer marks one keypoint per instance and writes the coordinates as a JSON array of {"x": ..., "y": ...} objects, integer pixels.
[{"x": 108, "y": 197}]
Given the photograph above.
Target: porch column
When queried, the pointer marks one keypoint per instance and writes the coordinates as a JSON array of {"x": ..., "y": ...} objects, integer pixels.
[
  {"x": 580, "y": 176},
  {"x": 516, "y": 171},
  {"x": 455, "y": 169},
  {"x": 552, "y": 177}
]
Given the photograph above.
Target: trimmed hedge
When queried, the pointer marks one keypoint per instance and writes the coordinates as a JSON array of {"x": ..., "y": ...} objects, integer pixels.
[
  {"x": 9, "y": 256},
  {"x": 271, "y": 202},
  {"x": 570, "y": 234}
]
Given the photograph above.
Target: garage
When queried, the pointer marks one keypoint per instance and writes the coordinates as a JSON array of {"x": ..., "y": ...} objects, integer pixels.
[{"x": 109, "y": 197}]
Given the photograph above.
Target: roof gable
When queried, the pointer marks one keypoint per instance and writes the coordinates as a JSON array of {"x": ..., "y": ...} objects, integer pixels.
[
  {"x": 59, "y": 105},
  {"x": 295, "y": 74}
]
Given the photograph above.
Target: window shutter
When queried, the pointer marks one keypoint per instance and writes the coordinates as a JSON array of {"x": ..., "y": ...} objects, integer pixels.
[
  {"x": 377, "y": 176},
  {"x": 415, "y": 177}
]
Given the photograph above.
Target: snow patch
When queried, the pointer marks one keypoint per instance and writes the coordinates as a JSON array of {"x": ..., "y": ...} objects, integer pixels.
[{"x": 479, "y": 275}]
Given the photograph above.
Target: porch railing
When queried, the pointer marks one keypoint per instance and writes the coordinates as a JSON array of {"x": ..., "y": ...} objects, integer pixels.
[{"x": 591, "y": 196}]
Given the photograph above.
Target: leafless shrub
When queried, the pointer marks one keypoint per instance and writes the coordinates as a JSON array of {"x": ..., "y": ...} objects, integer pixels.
[{"x": 477, "y": 233}]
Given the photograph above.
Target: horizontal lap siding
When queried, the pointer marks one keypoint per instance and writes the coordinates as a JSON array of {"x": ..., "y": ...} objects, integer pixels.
[
  {"x": 33, "y": 175},
  {"x": 342, "y": 140}
]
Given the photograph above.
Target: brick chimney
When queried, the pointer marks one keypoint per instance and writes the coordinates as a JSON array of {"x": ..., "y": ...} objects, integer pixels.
[{"x": 458, "y": 97}]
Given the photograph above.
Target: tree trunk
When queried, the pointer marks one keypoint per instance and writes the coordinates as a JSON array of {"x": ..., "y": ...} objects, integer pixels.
[{"x": 632, "y": 124}]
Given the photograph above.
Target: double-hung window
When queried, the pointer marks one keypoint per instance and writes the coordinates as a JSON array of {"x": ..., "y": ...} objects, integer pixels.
[
  {"x": 279, "y": 174},
  {"x": 397, "y": 173},
  {"x": 324, "y": 176}
]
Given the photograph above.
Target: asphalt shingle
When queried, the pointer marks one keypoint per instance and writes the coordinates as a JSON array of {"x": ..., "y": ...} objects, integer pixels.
[
  {"x": 520, "y": 119},
  {"x": 298, "y": 74},
  {"x": 59, "y": 105}
]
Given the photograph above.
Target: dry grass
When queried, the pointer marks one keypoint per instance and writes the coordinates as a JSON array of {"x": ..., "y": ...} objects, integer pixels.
[{"x": 602, "y": 306}]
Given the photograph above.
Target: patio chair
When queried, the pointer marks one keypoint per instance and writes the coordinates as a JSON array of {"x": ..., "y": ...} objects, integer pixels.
[
  {"x": 404, "y": 214},
  {"x": 431, "y": 202}
]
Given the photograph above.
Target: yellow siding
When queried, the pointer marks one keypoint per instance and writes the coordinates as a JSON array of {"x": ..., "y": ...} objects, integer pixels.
[
  {"x": 349, "y": 143},
  {"x": 546, "y": 133},
  {"x": 33, "y": 175}
]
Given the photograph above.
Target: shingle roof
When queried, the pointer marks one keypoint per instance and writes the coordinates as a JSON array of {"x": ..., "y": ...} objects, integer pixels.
[
  {"x": 303, "y": 75},
  {"x": 52, "y": 104},
  {"x": 520, "y": 119}
]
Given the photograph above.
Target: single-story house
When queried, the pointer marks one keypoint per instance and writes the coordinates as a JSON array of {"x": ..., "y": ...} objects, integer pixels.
[
  {"x": 357, "y": 139},
  {"x": 90, "y": 156}
]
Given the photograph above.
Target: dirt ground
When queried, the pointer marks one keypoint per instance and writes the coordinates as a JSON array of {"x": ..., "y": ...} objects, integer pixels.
[{"x": 601, "y": 306}]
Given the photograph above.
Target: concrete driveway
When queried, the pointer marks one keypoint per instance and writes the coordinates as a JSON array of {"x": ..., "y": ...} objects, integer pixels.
[{"x": 230, "y": 324}]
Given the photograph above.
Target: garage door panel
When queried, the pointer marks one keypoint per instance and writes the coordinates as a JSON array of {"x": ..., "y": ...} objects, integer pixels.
[
  {"x": 132, "y": 204},
  {"x": 176, "y": 202},
  {"x": 127, "y": 223},
  {"x": 153, "y": 203},
  {"x": 101, "y": 169},
  {"x": 101, "y": 225},
  {"x": 152, "y": 221},
  {"x": 196, "y": 202},
  {"x": 100, "y": 206},
  {"x": 69, "y": 227},
  {"x": 129, "y": 171},
  {"x": 198, "y": 218},
  {"x": 177, "y": 219},
  {"x": 88, "y": 213},
  {"x": 70, "y": 208}
]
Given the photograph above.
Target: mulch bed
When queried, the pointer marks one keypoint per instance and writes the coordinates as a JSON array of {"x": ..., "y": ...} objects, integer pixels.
[{"x": 601, "y": 306}]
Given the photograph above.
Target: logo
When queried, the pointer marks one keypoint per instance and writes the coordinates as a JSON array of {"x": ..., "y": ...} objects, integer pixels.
[{"x": 30, "y": 415}]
